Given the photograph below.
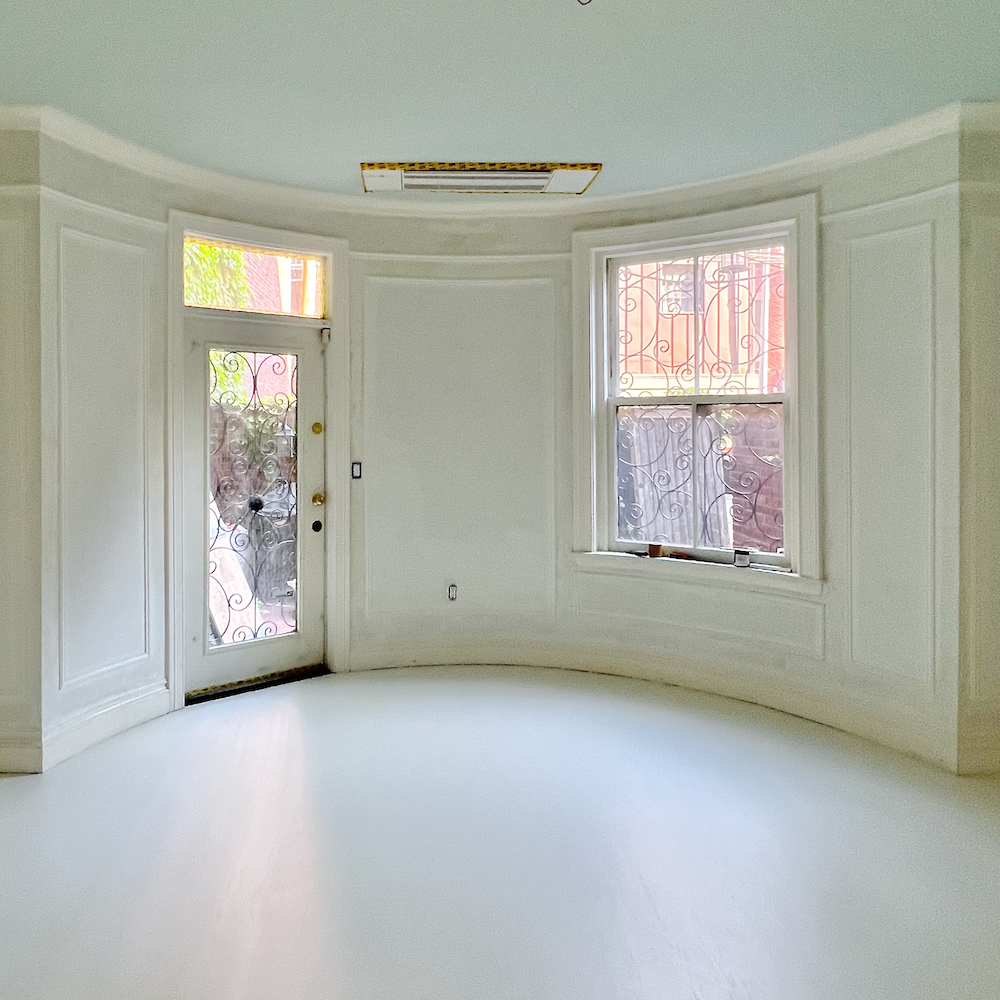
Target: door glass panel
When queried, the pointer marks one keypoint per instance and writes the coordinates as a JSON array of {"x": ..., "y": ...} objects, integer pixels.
[{"x": 252, "y": 551}]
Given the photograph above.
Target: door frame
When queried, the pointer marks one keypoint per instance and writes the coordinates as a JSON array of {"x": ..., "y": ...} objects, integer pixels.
[{"x": 336, "y": 365}]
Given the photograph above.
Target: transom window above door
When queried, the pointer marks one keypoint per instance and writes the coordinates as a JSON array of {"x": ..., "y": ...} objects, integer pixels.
[{"x": 252, "y": 279}]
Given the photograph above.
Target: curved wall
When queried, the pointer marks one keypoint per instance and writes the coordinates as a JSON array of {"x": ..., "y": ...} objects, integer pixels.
[{"x": 465, "y": 408}]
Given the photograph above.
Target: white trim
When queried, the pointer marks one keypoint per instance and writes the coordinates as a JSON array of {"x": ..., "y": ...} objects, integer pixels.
[
  {"x": 706, "y": 574},
  {"x": 499, "y": 258},
  {"x": 97, "y": 722},
  {"x": 111, "y": 213},
  {"x": 335, "y": 253},
  {"x": 904, "y": 201},
  {"x": 85, "y": 138},
  {"x": 792, "y": 220},
  {"x": 337, "y": 357}
]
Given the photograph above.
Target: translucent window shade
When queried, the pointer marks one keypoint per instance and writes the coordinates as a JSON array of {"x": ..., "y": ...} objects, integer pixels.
[
  {"x": 710, "y": 324},
  {"x": 251, "y": 279},
  {"x": 654, "y": 473},
  {"x": 739, "y": 458},
  {"x": 712, "y": 483}
]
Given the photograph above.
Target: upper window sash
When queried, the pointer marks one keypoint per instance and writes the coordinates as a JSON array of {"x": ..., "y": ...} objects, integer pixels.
[{"x": 723, "y": 332}]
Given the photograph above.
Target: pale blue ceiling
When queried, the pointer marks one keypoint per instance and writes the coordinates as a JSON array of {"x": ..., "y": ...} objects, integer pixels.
[{"x": 662, "y": 92}]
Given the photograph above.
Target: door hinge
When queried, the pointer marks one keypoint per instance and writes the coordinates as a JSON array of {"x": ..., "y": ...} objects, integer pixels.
[{"x": 324, "y": 336}]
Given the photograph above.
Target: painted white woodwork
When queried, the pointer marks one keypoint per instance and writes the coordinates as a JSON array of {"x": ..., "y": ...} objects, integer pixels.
[
  {"x": 979, "y": 706},
  {"x": 892, "y": 442},
  {"x": 327, "y": 373},
  {"x": 20, "y": 525},
  {"x": 103, "y": 599},
  {"x": 452, "y": 375},
  {"x": 459, "y": 457},
  {"x": 891, "y": 410},
  {"x": 102, "y": 447},
  {"x": 877, "y": 165},
  {"x": 204, "y": 665},
  {"x": 773, "y": 619},
  {"x": 484, "y": 833}
]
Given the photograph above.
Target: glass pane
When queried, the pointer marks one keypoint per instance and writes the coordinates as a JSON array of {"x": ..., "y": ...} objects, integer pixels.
[
  {"x": 245, "y": 279},
  {"x": 654, "y": 474},
  {"x": 742, "y": 346},
  {"x": 740, "y": 455},
  {"x": 656, "y": 328},
  {"x": 252, "y": 496},
  {"x": 706, "y": 324}
]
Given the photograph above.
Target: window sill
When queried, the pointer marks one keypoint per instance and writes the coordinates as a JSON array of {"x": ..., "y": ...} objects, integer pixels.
[{"x": 705, "y": 574}]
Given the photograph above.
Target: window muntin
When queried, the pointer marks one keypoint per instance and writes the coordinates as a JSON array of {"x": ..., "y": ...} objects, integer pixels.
[
  {"x": 694, "y": 468},
  {"x": 252, "y": 279}
]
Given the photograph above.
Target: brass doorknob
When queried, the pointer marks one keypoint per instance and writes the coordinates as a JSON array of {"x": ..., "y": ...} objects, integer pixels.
[{"x": 319, "y": 499}]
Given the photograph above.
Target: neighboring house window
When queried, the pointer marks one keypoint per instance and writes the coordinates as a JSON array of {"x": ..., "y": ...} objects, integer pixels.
[
  {"x": 676, "y": 287},
  {"x": 696, "y": 401}
]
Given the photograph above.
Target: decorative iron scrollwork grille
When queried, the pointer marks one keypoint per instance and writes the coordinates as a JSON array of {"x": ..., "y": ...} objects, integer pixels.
[{"x": 252, "y": 538}]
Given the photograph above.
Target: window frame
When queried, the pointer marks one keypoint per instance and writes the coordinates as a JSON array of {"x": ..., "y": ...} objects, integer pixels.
[{"x": 791, "y": 223}]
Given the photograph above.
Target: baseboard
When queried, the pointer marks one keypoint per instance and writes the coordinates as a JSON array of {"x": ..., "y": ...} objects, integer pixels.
[
  {"x": 77, "y": 732},
  {"x": 915, "y": 729}
]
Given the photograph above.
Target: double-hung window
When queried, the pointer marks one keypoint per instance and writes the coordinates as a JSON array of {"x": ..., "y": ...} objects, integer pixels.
[{"x": 701, "y": 404}]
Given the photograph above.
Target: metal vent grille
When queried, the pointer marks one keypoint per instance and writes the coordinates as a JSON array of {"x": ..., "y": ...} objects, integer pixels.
[{"x": 480, "y": 178}]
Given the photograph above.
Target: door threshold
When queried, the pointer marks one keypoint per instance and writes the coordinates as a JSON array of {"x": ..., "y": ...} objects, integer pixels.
[{"x": 255, "y": 683}]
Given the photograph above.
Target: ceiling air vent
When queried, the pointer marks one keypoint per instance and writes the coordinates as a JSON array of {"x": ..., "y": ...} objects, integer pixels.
[{"x": 480, "y": 178}]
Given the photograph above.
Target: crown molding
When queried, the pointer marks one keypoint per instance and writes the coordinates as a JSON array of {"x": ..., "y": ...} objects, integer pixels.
[{"x": 57, "y": 125}]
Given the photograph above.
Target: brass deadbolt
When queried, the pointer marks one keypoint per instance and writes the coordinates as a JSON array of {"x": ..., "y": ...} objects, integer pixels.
[
  {"x": 317, "y": 428},
  {"x": 319, "y": 499}
]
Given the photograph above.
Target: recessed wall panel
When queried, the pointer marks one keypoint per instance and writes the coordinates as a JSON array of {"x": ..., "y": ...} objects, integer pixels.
[
  {"x": 891, "y": 420},
  {"x": 748, "y": 617},
  {"x": 102, "y": 406},
  {"x": 458, "y": 445}
]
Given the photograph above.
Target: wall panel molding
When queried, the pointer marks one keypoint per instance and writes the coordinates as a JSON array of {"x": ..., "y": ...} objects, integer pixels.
[
  {"x": 891, "y": 349},
  {"x": 104, "y": 591},
  {"x": 750, "y": 618},
  {"x": 890, "y": 414},
  {"x": 102, "y": 292},
  {"x": 433, "y": 348}
]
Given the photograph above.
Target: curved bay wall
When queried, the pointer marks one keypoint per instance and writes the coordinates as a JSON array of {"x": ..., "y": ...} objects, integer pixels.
[{"x": 464, "y": 406}]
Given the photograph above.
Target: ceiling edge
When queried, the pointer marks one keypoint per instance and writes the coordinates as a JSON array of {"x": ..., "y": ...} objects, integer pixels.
[{"x": 77, "y": 134}]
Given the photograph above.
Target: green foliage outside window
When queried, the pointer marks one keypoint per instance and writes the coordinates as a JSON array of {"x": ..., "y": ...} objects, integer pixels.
[{"x": 215, "y": 276}]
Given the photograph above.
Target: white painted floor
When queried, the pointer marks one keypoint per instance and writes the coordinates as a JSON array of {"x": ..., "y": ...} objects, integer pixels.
[{"x": 464, "y": 834}]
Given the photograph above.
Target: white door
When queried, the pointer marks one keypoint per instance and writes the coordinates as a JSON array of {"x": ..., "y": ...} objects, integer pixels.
[{"x": 255, "y": 498}]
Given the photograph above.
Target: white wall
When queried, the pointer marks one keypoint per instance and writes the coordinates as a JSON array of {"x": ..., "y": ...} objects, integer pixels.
[
  {"x": 462, "y": 389},
  {"x": 456, "y": 424},
  {"x": 20, "y": 523}
]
